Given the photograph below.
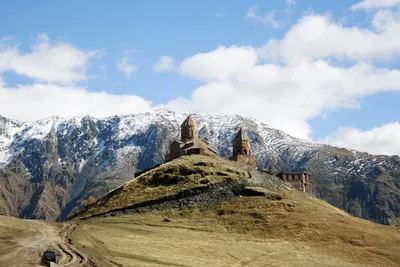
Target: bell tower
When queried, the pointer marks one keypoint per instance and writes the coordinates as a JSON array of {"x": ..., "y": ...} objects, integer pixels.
[
  {"x": 189, "y": 129},
  {"x": 241, "y": 144}
]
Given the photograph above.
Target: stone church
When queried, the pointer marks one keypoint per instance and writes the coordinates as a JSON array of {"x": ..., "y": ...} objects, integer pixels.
[{"x": 190, "y": 143}]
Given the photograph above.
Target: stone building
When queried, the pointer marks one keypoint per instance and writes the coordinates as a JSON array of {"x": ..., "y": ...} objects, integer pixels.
[
  {"x": 190, "y": 143},
  {"x": 301, "y": 181},
  {"x": 242, "y": 152}
]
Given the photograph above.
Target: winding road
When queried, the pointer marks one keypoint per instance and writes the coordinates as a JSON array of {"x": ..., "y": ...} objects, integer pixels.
[
  {"x": 70, "y": 255},
  {"x": 52, "y": 237}
]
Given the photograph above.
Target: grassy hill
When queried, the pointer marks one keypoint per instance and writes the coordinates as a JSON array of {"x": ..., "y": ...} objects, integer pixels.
[
  {"x": 185, "y": 175},
  {"x": 246, "y": 231},
  {"x": 172, "y": 216}
]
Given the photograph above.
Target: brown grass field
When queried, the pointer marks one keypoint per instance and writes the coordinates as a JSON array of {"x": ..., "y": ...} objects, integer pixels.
[
  {"x": 247, "y": 231},
  {"x": 279, "y": 228},
  {"x": 11, "y": 230}
]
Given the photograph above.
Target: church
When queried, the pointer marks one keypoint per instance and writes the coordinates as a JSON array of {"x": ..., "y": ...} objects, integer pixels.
[
  {"x": 242, "y": 152},
  {"x": 190, "y": 143}
]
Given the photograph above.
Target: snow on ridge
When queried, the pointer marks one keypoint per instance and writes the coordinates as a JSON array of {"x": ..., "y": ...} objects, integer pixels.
[
  {"x": 39, "y": 129},
  {"x": 123, "y": 127},
  {"x": 9, "y": 129}
]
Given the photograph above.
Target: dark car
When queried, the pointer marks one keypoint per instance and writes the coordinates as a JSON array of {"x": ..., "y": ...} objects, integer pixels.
[{"x": 50, "y": 256}]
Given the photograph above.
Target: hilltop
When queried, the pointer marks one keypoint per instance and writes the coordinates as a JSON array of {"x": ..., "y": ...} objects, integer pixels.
[
  {"x": 185, "y": 180},
  {"x": 200, "y": 211}
]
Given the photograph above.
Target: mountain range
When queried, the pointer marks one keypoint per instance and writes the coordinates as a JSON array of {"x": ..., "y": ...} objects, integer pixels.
[{"x": 50, "y": 168}]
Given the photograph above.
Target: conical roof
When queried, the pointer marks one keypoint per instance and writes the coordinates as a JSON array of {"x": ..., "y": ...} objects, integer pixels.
[
  {"x": 241, "y": 136},
  {"x": 188, "y": 122}
]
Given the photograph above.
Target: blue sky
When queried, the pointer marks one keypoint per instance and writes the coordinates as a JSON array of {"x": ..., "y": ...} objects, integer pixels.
[{"x": 285, "y": 62}]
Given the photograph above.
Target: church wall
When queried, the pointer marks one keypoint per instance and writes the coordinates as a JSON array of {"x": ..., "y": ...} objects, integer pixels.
[
  {"x": 175, "y": 150},
  {"x": 244, "y": 161}
]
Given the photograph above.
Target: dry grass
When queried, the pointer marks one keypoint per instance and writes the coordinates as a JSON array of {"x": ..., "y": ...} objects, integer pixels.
[
  {"x": 166, "y": 180},
  {"x": 248, "y": 231},
  {"x": 12, "y": 229}
]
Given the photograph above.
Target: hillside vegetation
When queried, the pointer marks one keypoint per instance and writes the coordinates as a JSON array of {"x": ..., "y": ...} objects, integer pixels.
[
  {"x": 167, "y": 182},
  {"x": 259, "y": 224}
]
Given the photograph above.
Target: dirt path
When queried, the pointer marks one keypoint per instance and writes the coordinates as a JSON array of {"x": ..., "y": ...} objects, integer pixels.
[{"x": 52, "y": 237}]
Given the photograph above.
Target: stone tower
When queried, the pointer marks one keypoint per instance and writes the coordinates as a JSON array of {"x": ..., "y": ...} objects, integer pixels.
[
  {"x": 189, "y": 129},
  {"x": 241, "y": 144},
  {"x": 241, "y": 152}
]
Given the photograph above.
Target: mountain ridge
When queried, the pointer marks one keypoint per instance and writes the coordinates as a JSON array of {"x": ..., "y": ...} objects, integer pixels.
[{"x": 69, "y": 160}]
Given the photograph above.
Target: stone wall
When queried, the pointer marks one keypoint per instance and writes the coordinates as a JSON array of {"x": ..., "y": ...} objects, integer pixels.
[
  {"x": 301, "y": 181},
  {"x": 246, "y": 162}
]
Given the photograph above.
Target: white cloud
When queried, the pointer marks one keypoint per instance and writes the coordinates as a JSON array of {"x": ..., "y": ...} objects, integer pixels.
[
  {"x": 285, "y": 97},
  {"x": 380, "y": 140},
  {"x": 53, "y": 62},
  {"x": 55, "y": 67},
  {"x": 124, "y": 64},
  {"x": 302, "y": 82},
  {"x": 219, "y": 64},
  {"x": 165, "y": 63},
  {"x": 268, "y": 20},
  {"x": 38, "y": 101},
  {"x": 375, "y": 4},
  {"x": 320, "y": 37}
]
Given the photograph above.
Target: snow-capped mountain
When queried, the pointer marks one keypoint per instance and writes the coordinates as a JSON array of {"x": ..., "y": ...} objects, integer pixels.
[{"x": 49, "y": 167}]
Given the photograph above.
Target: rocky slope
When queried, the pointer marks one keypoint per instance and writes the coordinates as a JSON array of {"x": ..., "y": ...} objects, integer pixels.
[{"x": 51, "y": 166}]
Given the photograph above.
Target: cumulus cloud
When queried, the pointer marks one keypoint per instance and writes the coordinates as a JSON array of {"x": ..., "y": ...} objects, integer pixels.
[
  {"x": 380, "y": 140},
  {"x": 219, "y": 64},
  {"x": 286, "y": 97},
  {"x": 165, "y": 63},
  {"x": 287, "y": 82},
  {"x": 320, "y": 37},
  {"x": 269, "y": 19},
  {"x": 124, "y": 64},
  {"x": 37, "y": 101},
  {"x": 55, "y": 67},
  {"x": 53, "y": 62},
  {"x": 374, "y": 4}
]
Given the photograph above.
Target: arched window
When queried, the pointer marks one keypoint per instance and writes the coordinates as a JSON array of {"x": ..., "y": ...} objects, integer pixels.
[{"x": 245, "y": 151}]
